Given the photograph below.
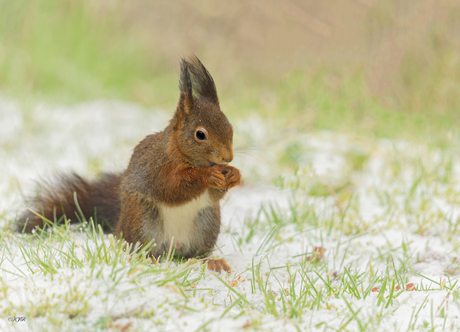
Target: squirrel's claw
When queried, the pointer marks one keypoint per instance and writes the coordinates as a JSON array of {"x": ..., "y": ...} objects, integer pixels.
[{"x": 217, "y": 180}]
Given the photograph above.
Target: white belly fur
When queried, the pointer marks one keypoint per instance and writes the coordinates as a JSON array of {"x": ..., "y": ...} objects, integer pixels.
[{"x": 178, "y": 220}]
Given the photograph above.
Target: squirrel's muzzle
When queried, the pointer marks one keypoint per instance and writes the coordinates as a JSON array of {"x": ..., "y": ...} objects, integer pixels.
[{"x": 226, "y": 155}]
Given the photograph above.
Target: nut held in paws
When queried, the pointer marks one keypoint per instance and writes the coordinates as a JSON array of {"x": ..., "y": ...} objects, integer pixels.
[{"x": 220, "y": 168}]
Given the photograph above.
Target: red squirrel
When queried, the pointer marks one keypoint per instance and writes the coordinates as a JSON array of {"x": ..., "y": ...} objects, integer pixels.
[{"x": 172, "y": 186}]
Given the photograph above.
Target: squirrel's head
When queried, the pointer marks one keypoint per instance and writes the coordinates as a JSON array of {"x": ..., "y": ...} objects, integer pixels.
[{"x": 202, "y": 131}]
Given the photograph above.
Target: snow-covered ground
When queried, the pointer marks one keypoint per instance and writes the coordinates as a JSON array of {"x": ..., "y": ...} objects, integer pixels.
[{"x": 381, "y": 215}]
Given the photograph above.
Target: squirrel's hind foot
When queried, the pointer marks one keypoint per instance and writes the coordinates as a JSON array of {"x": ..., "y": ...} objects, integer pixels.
[{"x": 218, "y": 265}]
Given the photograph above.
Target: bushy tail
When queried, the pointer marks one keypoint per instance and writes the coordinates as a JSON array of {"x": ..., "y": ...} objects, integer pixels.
[{"x": 97, "y": 198}]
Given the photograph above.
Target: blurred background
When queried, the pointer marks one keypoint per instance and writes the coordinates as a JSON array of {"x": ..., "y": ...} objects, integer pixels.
[{"x": 375, "y": 68}]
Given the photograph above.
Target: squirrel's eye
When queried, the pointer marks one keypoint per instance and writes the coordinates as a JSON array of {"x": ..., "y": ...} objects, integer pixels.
[{"x": 200, "y": 135}]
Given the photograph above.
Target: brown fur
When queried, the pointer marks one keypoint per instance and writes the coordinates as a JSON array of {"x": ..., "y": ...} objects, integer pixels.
[
  {"x": 98, "y": 199},
  {"x": 168, "y": 171}
]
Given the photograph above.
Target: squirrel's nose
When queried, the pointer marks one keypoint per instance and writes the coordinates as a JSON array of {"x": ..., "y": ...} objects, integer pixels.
[{"x": 227, "y": 156}]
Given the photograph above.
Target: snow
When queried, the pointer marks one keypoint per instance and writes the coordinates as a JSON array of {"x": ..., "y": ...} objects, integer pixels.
[{"x": 387, "y": 220}]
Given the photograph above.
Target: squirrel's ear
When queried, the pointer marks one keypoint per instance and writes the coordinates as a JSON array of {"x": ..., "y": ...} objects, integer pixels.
[
  {"x": 203, "y": 84},
  {"x": 185, "y": 85}
]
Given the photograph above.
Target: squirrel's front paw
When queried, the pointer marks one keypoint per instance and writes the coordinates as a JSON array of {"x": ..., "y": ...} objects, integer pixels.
[
  {"x": 233, "y": 176},
  {"x": 218, "y": 265},
  {"x": 217, "y": 180}
]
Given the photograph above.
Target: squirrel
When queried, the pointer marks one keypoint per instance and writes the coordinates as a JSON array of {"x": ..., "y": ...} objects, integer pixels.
[{"x": 170, "y": 191}]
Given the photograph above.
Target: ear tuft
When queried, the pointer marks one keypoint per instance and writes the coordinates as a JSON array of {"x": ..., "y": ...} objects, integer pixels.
[
  {"x": 203, "y": 84},
  {"x": 185, "y": 86}
]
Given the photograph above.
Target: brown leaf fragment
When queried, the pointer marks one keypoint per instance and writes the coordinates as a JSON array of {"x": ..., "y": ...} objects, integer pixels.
[
  {"x": 452, "y": 270},
  {"x": 411, "y": 287},
  {"x": 247, "y": 324},
  {"x": 119, "y": 327},
  {"x": 317, "y": 255}
]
